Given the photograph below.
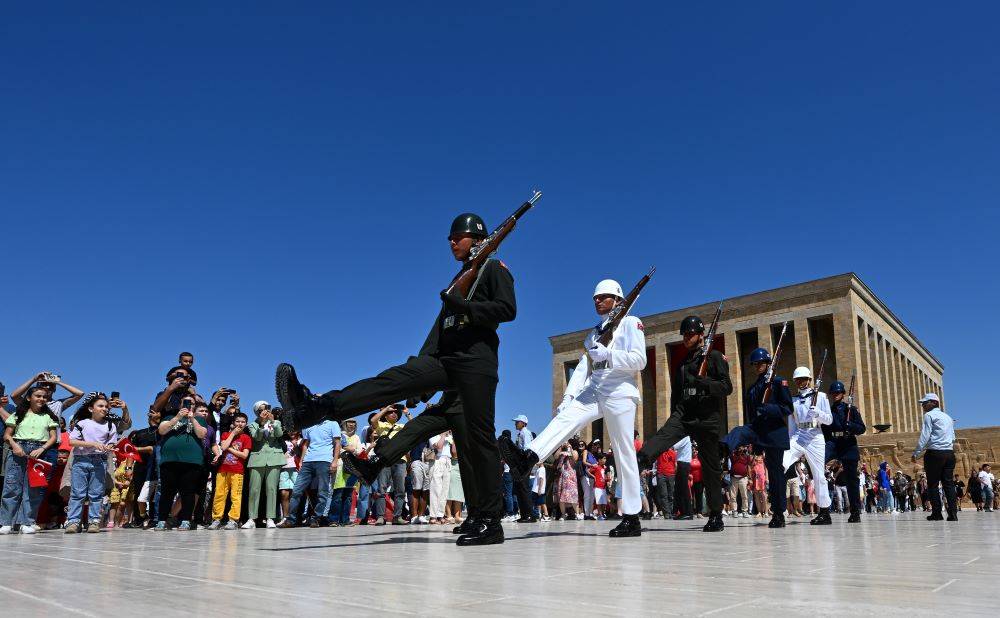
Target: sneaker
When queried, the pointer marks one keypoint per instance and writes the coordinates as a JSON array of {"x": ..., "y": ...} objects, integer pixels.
[
  {"x": 510, "y": 518},
  {"x": 744, "y": 514},
  {"x": 230, "y": 525},
  {"x": 400, "y": 521},
  {"x": 269, "y": 523},
  {"x": 380, "y": 521},
  {"x": 185, "y": 526},
  {"x": 6, "y": 529},
  {"x": 29, "y": 529},
  {"x": 314, "y": 522},
  {"x": 216, "y": 524},
  {"x": 334, "y": 524},
  {"x": 250, "y": 525},
  {"x": 286, "y": 523},
  {"x": 160, "y": 526},
  {"x": 71, "y": 528},
  {"x": 94, "y": 528}
]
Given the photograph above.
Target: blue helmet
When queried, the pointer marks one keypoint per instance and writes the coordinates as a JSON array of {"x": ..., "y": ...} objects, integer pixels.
[
  {"x": 837, "y": 387},
  {"x": 760, "y": 355}
]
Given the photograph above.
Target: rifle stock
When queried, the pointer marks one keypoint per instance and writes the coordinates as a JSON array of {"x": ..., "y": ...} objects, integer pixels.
[{"x": 463, "y": 282}]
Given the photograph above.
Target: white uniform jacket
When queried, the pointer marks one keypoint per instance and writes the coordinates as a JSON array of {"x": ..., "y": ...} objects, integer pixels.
[
  {"x": 618, "y": 377},
  {"x": 804, "y": 419}
]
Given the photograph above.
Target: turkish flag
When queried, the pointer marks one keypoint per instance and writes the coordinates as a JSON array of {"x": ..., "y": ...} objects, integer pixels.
[{"x": 38, "y": 472}]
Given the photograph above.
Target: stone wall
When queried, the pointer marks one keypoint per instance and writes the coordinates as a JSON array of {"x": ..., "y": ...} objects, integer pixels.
[{"x": 973, "y": 447}]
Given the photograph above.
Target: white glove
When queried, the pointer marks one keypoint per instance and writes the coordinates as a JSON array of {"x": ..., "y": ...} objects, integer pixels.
[
  {"x": 813, "y": 412},
  {"x": 599, "y": 353}
]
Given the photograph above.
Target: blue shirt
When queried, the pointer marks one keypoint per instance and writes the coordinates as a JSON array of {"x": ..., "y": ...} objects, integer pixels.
[
  {"x": 937, "y": 433},
  {"x": 683, "y": 449},
  {"x": 321, "y": 439}
]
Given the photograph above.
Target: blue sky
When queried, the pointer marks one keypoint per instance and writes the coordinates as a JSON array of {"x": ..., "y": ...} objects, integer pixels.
[{"x": 268, "y": 184}]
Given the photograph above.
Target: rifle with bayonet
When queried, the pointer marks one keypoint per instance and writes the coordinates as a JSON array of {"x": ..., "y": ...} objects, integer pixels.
[
  {"x": 707, "y": 343},
  {"x": 819, "y": 378},
  {"x": 850, "y": 398},
  {"x": 769, "y": 375},
  {"x": 607, "y": 331},
  {"x": 466, "y": 278}
]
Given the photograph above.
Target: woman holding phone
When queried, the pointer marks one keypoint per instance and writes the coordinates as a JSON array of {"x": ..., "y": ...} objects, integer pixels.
[{"x": 181, "y": 450}]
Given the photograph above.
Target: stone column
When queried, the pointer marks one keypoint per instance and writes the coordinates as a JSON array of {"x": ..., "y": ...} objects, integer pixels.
[
  {"x": 848, "y": 351},
  {"x": 662, "y": 383},
  {"x": 558, "y": 379},
  {"x": 803, "y": 345},
  {"x": 879, "y": 368},
  {"x": 734, "y": 403},
  {"x": 764, "y": 338},
  {"x": 866, "y": 388}
]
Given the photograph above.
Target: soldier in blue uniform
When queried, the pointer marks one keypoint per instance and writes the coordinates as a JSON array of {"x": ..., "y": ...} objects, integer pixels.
[
  {"x": 841, "y": 443},
  {"x": 766, "y": 429}
]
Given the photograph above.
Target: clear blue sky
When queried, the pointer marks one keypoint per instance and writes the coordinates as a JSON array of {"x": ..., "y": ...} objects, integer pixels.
[{"x": 264, "y": 185}]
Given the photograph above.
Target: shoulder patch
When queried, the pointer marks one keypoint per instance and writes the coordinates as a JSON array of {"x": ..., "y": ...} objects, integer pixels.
[
  {"x": 500, "y": 262},
  {"x": 725, "y": 358},
  {"x": 784, "y": 382}
]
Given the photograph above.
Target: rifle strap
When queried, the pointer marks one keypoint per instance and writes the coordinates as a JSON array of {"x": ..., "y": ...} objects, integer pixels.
[{"x": 475, "y": 284}]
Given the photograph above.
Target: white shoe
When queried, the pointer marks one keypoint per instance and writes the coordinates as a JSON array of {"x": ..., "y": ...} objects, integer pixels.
[
  {"x": 29, "y": 529},
  {"x": 250, "y": 525},
  {"x": 269, "y": 523},
  {"x": 214, "y": 525},
  {"x": 6, "y": 529},
  {"x": 230, "y": 525}
]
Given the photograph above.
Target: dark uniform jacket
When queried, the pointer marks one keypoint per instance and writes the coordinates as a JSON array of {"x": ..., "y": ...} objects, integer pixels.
[
  {"x": 768, "y": 420},
  {"x": 467, "y": 341},
  {"x": 701, "y": 399},
  {"x": 841, "y": 442}
]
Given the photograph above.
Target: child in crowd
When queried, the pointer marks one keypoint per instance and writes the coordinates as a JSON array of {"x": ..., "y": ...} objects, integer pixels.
[
  {"x": 235, "y": 449},
  {"x": 597, "y": 472},
  {"x": 122, "y": 479},
  {"x": 290, "y": 472},
  {"x": 30, "y": 433},
  {"x": 538, "y": 491},
  {"x": 92, "y": 438}
]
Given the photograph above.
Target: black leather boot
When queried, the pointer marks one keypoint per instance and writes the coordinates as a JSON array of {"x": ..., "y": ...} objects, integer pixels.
[
  {"x": 520, "y": 462},
  {"x": 300, "y": 406},
  {"x": 629, "y": 526},
  {"x": 486, "y": 531},
  {"x": 823, "y": 519},
  {"x": 777, "y": 521},
  {"x": 467, "y": 526},
  {"x": 365, "y": 469},
  {"x": 854, "y": 518},
  {"x": 935, "y": 516},
  {"x": 715, "y": 523}
]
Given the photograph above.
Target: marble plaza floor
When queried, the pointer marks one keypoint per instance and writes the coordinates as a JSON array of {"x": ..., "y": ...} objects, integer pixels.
[{"x": 887, "y": 565}]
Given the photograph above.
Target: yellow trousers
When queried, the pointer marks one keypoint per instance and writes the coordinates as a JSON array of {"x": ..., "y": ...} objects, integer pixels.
[{"x": 228, "y": 484}]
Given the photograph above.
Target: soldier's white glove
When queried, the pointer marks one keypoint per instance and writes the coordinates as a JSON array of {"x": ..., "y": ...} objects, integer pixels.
[
  {"x": 813, "y": 412},
  {"x": 599, "y": 353}
]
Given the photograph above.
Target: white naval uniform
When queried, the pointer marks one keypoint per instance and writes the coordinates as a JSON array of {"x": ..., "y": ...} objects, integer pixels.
[
  {"x": 605, "y": 391},
  {"x": 805, "y": 437}
]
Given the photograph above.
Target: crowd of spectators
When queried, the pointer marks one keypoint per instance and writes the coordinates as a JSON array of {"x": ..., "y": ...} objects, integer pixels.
[{"x": 206, "y": 463}]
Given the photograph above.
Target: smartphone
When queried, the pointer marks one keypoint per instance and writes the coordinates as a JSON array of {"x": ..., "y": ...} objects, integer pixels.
[
  {"x": 115, "y": 395},
  {"x": 51, "y": 377},
  {"x": 3, "y": 389},
  {"x": 188, "y": 403}
]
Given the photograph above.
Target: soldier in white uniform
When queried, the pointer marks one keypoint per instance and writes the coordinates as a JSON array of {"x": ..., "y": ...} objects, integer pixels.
[
  {"x": 602, "y": 385},
  {"x": 805, "y": 437}
]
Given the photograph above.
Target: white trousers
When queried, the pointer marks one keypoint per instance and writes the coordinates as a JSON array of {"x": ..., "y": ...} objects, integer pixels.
[
  {"x": 810, "y": 442},
  {"x": 619, "y": 416},
  {"x": 440, "y": 484}
]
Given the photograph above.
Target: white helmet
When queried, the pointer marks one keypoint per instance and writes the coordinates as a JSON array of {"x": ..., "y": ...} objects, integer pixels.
[
  {"x": 609, "y": 286},
  {"x": 802, "y": 372}
]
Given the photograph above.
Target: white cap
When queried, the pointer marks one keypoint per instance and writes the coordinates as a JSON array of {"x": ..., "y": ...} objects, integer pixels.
[
  {"x": 609, "y": 286},
  {"x": 260, "y": 405},
  {"x": 520, "y": 418},
  {"x": 802, "y": 372},
  {"x": 930, "y": 397}
]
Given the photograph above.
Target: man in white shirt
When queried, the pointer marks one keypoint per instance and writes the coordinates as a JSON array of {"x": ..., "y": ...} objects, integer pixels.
[
  {"x": 440, "y": 475},
  {"x": 936, "y": 444},
  {"x": 986, "y": 480}
]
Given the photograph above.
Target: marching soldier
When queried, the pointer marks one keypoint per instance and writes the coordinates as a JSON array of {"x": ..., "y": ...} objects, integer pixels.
[
  {"x": 766, "y": 429},
  {"x": 806, "y": 438},
  {"x": 460, "y": 355},
  {"x": 842, "y": 443},
  {"x": 697, "y": 407},
  {"x": 603, "y": 385}
]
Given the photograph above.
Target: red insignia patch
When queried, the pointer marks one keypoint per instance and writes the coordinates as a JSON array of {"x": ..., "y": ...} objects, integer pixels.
[
  {"x": 502, "y": 264},
  {"x": 639, "y": 325},
  {"x": 725, "y": 358},
  {"x": 784, "y": 382}
]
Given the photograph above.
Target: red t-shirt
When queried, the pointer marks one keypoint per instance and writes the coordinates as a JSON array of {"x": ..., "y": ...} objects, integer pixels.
[
  {"x": 695, "y": 470},
  {"x": 230, "y": 462},
  {"x": 741, "y": 465},
  {"x": 598, "y": 471},
  {"x": 666, "y": 463}
]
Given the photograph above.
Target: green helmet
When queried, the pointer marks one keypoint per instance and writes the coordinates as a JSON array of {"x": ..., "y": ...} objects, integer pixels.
[{"x": 468, "y": 223}]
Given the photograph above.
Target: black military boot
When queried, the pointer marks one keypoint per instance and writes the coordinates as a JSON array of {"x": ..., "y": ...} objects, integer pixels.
[
  {"x": 854, "y": 518},
  {"x": 520, "y": 462},
  {"x": 952, "y": 515},
  {"x": 301, "y": 407},
  {"x": 629, "y": 526},
  {"x": 468, "y": 525},
  {"x": 365, "y": 469},
  {"x": 486, "y": 531},
  {"x": 777, "y": 521},
  {"x": 936, "y": 516},
  {"x": 715, "y": 523},
  {"x": 823, "y": 519}
]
